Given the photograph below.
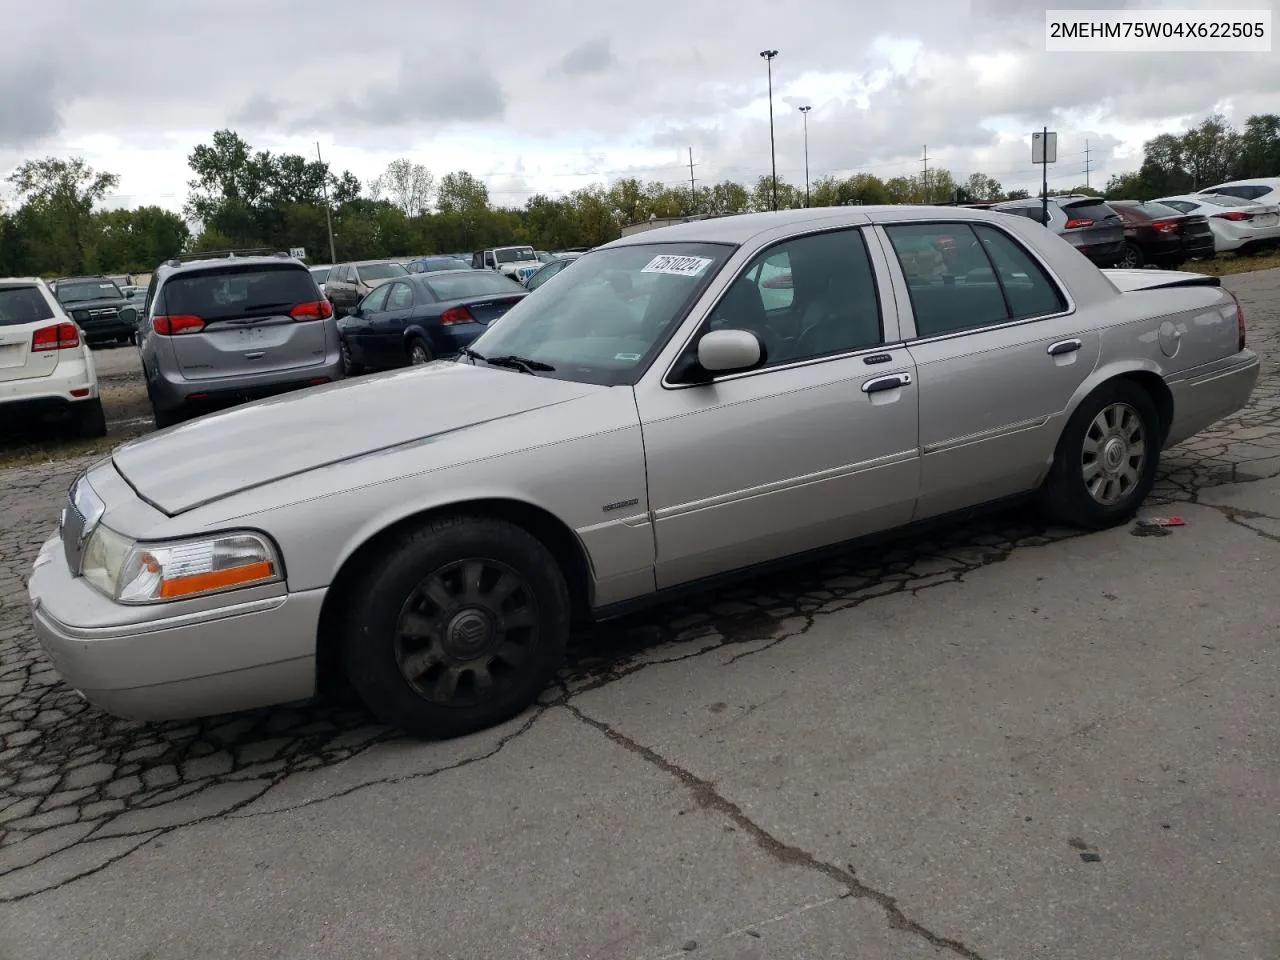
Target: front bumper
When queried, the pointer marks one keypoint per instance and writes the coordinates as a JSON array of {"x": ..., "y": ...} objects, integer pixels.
[{"x": 157, "y": 663}]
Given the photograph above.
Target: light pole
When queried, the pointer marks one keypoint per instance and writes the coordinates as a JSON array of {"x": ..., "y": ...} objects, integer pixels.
[
  {"x": 773, "y": 154},
  {"x": 804, "y": 112}
]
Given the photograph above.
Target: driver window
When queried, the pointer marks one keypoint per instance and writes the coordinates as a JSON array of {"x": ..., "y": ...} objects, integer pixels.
[
  {"x": 807, "y": 298},
  {"x": 374, "y": 301}
]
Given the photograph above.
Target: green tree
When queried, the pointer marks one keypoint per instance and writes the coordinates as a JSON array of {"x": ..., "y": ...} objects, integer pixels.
[
  {"x": 461, "y": 193},
  {"x": 406, "y": 184},
  {"x": 1127, "y": 186},
  {"x": 789, "y": 198},
  {"x": 59, "y": 197},
  {"x": 1017, "y": 195},
  {"x": 981, "y": 187}
]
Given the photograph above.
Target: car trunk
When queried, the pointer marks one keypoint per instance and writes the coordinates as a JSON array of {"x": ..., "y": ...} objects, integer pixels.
[
  {"x": 1133, "y": 281},
  {"x": 487, "y": 309},
  {"x": 248, "y": 328},
  {"x": 23, "y": 311}
]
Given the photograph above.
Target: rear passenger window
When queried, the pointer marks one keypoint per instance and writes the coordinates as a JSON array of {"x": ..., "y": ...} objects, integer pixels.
[
  {"x": 960, "y": 279},
  {"x": 20, "y": 305},
  {"x": 233, "y": 292},
  {"x": 1027, "y": 288}
]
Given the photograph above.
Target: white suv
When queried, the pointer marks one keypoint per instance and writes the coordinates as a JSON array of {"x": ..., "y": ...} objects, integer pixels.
[{"x": 45, "y": 365}]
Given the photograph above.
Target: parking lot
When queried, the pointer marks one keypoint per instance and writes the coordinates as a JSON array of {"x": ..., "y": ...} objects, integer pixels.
[{"x": 1005, "y": 742}]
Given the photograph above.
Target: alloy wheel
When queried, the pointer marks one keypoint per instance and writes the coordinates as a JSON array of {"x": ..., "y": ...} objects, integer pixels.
[
  {"x": 1113, "y": 454},
  {"x": 466, "y": 631}
]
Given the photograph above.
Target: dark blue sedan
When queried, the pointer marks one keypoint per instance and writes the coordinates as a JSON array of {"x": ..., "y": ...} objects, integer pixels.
[
  {"x": 432, "y": 264},
  {"x": 424, "y": 317}
]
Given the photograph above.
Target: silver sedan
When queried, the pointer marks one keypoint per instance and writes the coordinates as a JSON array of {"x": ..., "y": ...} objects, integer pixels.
[{"x": 684, "y": 405}]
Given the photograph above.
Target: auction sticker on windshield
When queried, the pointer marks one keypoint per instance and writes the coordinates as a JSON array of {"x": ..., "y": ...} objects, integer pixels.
[{"x": 677, "y": 266}]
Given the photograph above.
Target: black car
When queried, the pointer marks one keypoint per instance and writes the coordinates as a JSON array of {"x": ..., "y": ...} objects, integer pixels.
[
  {"x": 424, "y": 317},
  {"x": 98, "y": 307}
]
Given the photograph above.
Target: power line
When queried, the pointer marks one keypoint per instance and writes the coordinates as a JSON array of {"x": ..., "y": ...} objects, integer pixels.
[{"x": 693, "y": 189}]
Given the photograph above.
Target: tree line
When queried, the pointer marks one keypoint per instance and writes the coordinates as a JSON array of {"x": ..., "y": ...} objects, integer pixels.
[{"x": 241, "y": 197}]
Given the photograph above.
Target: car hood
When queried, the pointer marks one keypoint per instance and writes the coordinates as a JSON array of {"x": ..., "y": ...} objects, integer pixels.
[{"x": 218, "y": 456}]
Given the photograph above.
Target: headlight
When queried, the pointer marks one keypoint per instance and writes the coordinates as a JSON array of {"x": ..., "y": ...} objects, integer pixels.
[{"x": 132, "y": 572}]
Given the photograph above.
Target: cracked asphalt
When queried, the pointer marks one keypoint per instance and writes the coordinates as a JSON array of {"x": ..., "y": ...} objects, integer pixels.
[{"x": 1004, "y": 741}]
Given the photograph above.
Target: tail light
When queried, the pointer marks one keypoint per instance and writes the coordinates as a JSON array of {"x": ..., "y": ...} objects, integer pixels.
[
  {"x": 64, "y": 336},
  {"x": 315, "y": 310},
  {"x": 173, "y": 326},
  {"x": 1234, "y": 215},
  {"x": 1166, "y": 226},
  {"x": 1240, "y": 338},
  {"x": 456, "y": 315},
  {"x": 1077, "y": 222}
]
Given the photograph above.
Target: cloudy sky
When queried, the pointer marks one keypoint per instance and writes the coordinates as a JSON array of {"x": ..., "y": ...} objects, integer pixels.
[{"x": 553, "y": 95}]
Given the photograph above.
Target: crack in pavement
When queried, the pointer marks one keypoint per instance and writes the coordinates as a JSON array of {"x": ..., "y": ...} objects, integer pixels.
[
  {"x": 65, "y": 766},
  {"x": 707, "y": 797}
]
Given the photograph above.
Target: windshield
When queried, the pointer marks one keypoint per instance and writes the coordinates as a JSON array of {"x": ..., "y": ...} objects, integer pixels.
[
  {"x": 457, "y": 284},
  {"x": 607, "y": 318},
  {"x": 88, "y": 290},
  {"x": 444, "y": 263},
  {"x": 514, "y": 254},
  {"x": 22, "y": 305},
  {"x": 381, "y": 271}
]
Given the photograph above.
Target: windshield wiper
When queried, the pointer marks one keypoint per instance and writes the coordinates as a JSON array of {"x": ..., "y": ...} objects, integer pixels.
[{"x": 523, "y": 364}]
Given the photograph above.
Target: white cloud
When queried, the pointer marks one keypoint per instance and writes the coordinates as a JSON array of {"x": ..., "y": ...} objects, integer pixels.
[{"x": 551, "y": 100}]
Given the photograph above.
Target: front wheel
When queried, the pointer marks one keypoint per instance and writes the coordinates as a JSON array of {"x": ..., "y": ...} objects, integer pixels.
[
  {"x": 1106, "y": 459},
  {"x": 459, "y": 626}
]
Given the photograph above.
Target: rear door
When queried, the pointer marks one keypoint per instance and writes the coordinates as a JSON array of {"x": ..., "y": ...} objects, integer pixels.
[
  {"x": 23, "y": 310},
  {"x": 247, "y": 326},
  {"x": 999, "y": 354}
]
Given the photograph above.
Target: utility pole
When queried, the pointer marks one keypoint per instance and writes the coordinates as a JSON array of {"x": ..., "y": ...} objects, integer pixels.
[
  {"x": 1086, "y": 164},
  {"x": 693, "y": 190},
  {"x": 328, "y": 214},
  {"x": 925, "y": 160}
]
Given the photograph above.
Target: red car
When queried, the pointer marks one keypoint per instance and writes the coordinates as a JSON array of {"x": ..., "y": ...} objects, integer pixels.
[{"x": 1161, "y": 236}]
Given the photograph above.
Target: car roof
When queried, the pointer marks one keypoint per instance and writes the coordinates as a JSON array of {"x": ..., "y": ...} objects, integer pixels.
[
  {"x": 168, "y": 267},
  {"x": 12, "y": 281},
  {"x": 742, "y": 227},
  {"x": 1252, "y": 182}
]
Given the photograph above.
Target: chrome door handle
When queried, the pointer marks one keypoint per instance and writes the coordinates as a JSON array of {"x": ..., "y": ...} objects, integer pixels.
[
  {"x": 880, "y": 384},
  {"x": 1064, "y": 346},
  {"x": 255, "y": 355}
]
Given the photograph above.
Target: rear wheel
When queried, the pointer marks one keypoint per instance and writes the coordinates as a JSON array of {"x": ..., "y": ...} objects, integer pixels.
[
  {"x": 1106, "y": 460},
  {"x": 1132, "y": 258},
  {"x": 419, "y": 352},
  {"x": 90, "y": 419},
  {"x": 459, "y": 626}
]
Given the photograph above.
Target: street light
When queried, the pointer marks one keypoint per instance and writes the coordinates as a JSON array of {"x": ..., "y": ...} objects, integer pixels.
[
  {"x": 804, "y": 112},
  {"x": 773, "y": 155}
]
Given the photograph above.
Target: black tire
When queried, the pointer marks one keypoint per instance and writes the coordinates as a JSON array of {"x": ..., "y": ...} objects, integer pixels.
[
  {"x": 1066, "y": 495},
  {"x": 165, "y": 417},
  {"x": 1132, "y": 259},
  {"x": 90, "y": 419},
  {"x": 464, "y": 638},
  {"x": 349, "y": 367},
  {"x": 416, "y": 347}
]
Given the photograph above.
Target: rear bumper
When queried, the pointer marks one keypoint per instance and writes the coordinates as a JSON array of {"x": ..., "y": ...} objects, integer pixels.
[
  {"x": 1103, "y": 254},
  {"x": 171, "y": 391},
  {"x": 1193, "y": 247},
  {"x": 22, "y": 401},
  {"x": 102, "y": 332},
  {"x": 1205, "y": 395}
]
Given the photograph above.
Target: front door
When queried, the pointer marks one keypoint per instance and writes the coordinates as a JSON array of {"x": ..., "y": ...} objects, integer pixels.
[
  {"x": 998, "y": 355},
  {"x": 815, "y": 447}
]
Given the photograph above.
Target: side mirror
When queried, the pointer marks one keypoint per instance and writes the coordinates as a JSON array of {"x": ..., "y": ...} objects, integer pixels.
[{"x": 729, "y": 351}]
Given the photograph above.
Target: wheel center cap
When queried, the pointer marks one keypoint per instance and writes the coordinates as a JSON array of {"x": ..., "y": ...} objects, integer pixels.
[
  {"x": 1114, "y": 453},
  {"x": 469, "y": 633}
]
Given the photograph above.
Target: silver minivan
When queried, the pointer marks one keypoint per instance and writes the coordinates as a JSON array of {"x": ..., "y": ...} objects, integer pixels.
[{"x": 225, "y": 329}]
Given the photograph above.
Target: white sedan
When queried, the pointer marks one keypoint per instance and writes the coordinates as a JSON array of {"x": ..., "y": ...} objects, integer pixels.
[
  {"x": 1237, "y": 224},
  {"x": 46, "y": 368}
]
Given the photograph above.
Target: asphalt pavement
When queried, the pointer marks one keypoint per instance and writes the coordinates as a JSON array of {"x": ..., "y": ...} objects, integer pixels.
[{"x": 1004, "y": 742}]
